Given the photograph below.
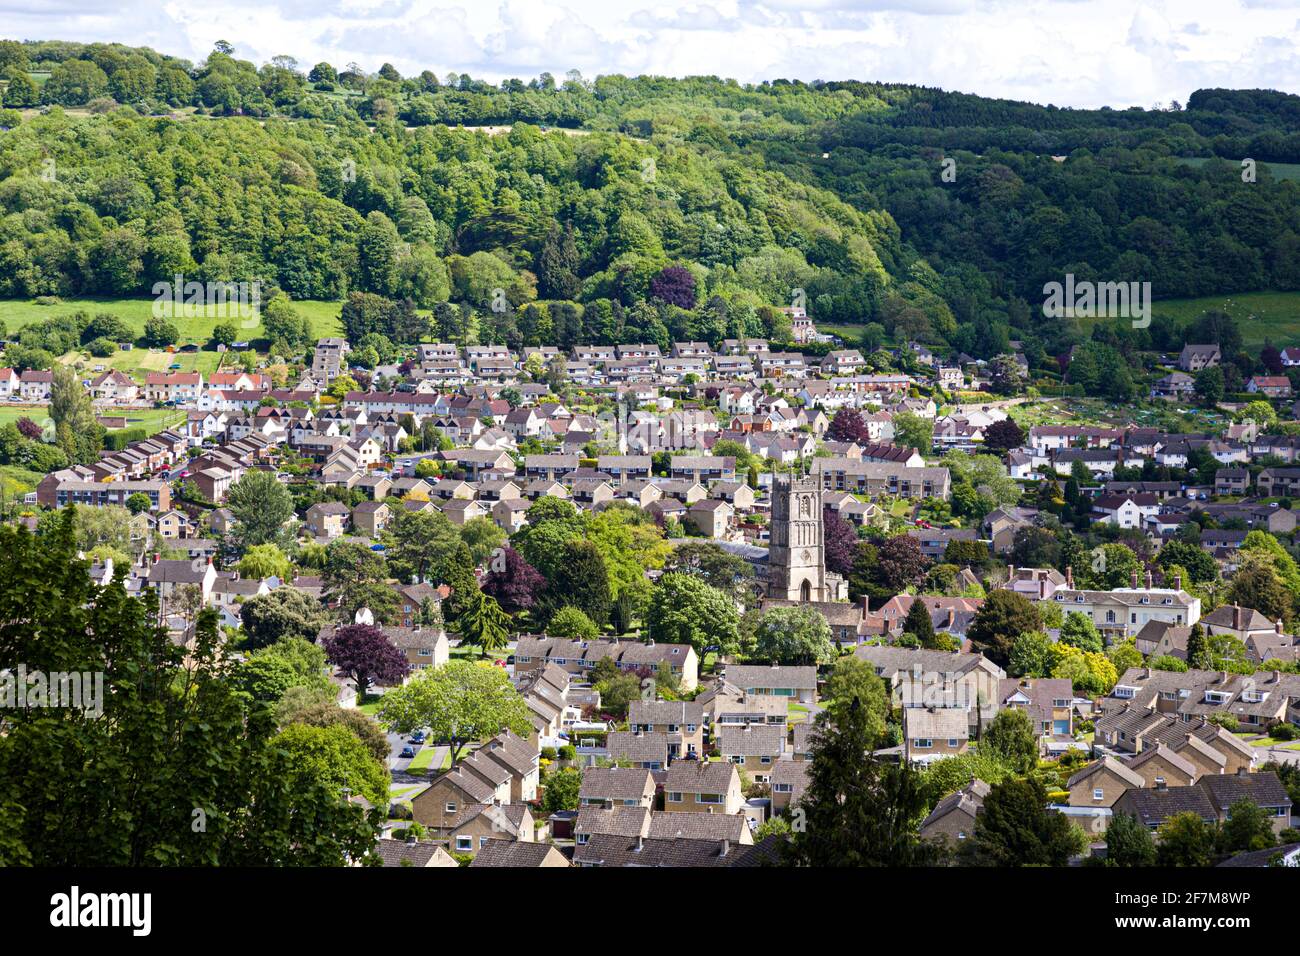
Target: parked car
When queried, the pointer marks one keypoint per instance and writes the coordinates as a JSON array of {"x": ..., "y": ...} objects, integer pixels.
[
  {"x": 417, "y": 737},
  {"x": 408, "y": 752}
]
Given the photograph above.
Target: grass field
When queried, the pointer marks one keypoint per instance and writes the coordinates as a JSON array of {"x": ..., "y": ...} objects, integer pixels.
[
  {"x": 18, "y": 481},
  {"x": 1279, "y": 170},
  {"x": 151, "y": 419},
  {"x": 16, "y": 313}
]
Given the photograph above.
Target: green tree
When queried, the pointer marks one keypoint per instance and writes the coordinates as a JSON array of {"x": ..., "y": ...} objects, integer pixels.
[
  {"x": 416, "y": 542},
  {"x": 334, "y": 755},
  {"x": 78, "y": 430},
  {"x": 355, "y": 577},
  {"x": 283, "y": 613},
  {"x": 570, "y": 622},
  {"x": 1015, "y": 828},
  {"x": 1248, "y": 827},
  {"x": 685, "y": 610},
  {"x": 483, "y": 624},
  {"x": 1003, "y": 617},
  {"x": 561, "y": 789},
  {"x": 918, "y": 623},
  {"x": 264, "y": 561},
  {"x": 859, "y": 811},
  {"x": 460, "y": 702},
  {"x": 854, "y": 682},
  {"x": 1011, "y": 738},
  {"x": 793, "y": 635},
  {"x": 263, "y": 509},
  {"x": 175, "y": 735},
  {"x": 1079, "y": 631},
  {"x": 1128, "y": 842},
  {"x": 1185, "y": 840}
]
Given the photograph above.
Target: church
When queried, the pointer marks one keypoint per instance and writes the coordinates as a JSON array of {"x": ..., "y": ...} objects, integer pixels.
[{"x": 796, "y": 553}]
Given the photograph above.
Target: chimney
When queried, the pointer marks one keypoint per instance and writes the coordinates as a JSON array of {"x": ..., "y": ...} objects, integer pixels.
[
  {"x": 1011, "y": 573},
  {"x": 725, "y": 848},
  {"x": 1133, "y": 580},
  {"x": 640, "y": 842},
  {"x": 156, "y": 557},
  {"x": 1279, "y": 625},
  {"x": 1148, "y": 579},
  {"x": 1069, "y": 577},
  {"x": 1161, "y": 785},
  {"x": 1178, "y": 582}
]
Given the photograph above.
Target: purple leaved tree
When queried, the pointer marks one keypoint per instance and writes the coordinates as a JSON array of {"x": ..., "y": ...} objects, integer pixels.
[
  {"x": 840, "y": 540},
  {"x": 514, "y": 582},
  {"x": 363, "y": 653},
  {"x": 674, "y": 285}
]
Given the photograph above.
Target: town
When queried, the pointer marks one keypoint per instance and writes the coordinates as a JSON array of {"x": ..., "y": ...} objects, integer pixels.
[{"x": 678, "y": 568}]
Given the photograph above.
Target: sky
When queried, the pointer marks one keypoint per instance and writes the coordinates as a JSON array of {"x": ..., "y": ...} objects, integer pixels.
[{"x": 1081, "y": 53}]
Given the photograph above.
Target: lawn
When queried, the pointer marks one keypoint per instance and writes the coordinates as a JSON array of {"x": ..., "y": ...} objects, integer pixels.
[
  {"x": 422, "y": 759},
  {"x": 153, "y": 420}
]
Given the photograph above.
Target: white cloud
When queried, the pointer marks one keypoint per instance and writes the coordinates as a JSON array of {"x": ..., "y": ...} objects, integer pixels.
[{"x": 1106, "y": 52}]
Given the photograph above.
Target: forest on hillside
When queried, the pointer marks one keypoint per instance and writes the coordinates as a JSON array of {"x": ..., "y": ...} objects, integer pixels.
[{"x": 688, "y": 208}]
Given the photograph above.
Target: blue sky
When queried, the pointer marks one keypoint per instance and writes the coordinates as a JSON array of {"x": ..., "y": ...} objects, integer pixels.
[{"x": 1067, "y": 52}]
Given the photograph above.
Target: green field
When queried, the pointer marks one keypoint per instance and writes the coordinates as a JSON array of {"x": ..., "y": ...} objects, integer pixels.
[
  {"x": 16, "y": 313},
  {"x": 1279, "y": 170},
  {"x": 151, "y": 419}
]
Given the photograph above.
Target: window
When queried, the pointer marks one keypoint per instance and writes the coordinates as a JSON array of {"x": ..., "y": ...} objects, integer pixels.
[
  {"x": 708, "y": 798},
  {"x": 923, "y": 743},
  {"x": 464, "y": 843},
  {"x": 1097, "y": 794},
  {"x": 451, "y": 807},
  {"x": 482, "y": 842},
  {"x": 675, "y": 797}
]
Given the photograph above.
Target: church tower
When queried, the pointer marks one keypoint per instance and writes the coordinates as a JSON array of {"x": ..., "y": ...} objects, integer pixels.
[{"x": 796, "y": 559}]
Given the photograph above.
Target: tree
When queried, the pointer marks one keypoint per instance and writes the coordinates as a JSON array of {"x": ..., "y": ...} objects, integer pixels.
[
  {"x": 482, "y": 536},
  {"x": 460, "y": 702},
  {"x": 1015, "y": 828},
  {"x": 1199, "y": 654},
  {"x": 1209, "y": 385},
  {"x": 1030, "y": 655},
  {"x": 304, "y": 658},
  {"x": 913, "y": 431},
  {"x": 1248, "y": 827},
  {"x": 1003, "y": 617},
  {"x": 561, "y": 790},
  {"x": 516, "y": 585},
  {"x": 900, "y": 563},
  {"x": 265, "y": 561},
  {"x": 674, "y": 285},
  {"x": 283, "y": 613},
  {"x": 853, "y": 680},
  {"x": 1004, "y": 435},
  {"x": 262, "y": 507},
  {"x": 685, "y": 610},
  {"x": 859, "y": 811},
  {"x": 572, "y": 623},
  {"x": 1079, "y": 631},
  {"x": 160, "y": 333},
  {"x": 301, "y": 705},
  {"x": 840, "y": 542},
  {"x": 336, "y": 756},
  {"x": 1128, "y": 842},
  {"x": 1199, "y": 563},
  {"x": 354, "y": 577},
  {"x": 918, "y": 623},
  {"x": 138, "y": 503},
  {"x": 1185, "y": 840},
  {"x": 78, "y": 430},
  {"x": 161, "y": 706},
  {"x": 1011, "y": 738},
  {"x": 582, "y": 581},
  {"x": 848, "y": 426},
  {"x": 793, "y": 635},
  {"x": 416, "y": 542},
  {"x": 365, "y": 654},
  {"x": 729, "y": 573},
  {"x": 483, "y": 624}
]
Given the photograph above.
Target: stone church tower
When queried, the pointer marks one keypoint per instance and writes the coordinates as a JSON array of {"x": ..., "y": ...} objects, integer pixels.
[{"x": 796, "y": 558}]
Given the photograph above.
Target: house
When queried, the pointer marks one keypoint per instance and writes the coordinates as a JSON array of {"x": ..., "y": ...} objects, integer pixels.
[
  {"x": 412, "y": 853},
  {"x": 641, "y": 750},
  {"x": 796, "y": 683},
  {"x": 1046, "y": 701},
  {"x": 754, "y": 748},
  {"x": 452, "y": 796},
  {"x": 1262, "y": 789},
  {"x": 702, "y": 786},
  {"x": 1231, "y": 481},
  {"x": 682, "y": 722},
  {"x": 933, "y": 733},
  {"x": 1153, "y": 806},
  {"x": 711, "y": 517},
  {"x": 1278, "y": 482},
  {"x": 369, "y": 518},
  {"x": 787, "y": 782},
  {"x": 1160, "y": 766},
  {"x": 1102, "y": 783},
  {"x": 1272, "y": 386},
  {"x": 610, "y": 787},
  {"x": 1194, "y": 358},
  {"x": 483, "y": 824},
  {"x": 518, "y": 854},
  {"x": 327, "y": 519},
  {"x": 953, "y": 817}
]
